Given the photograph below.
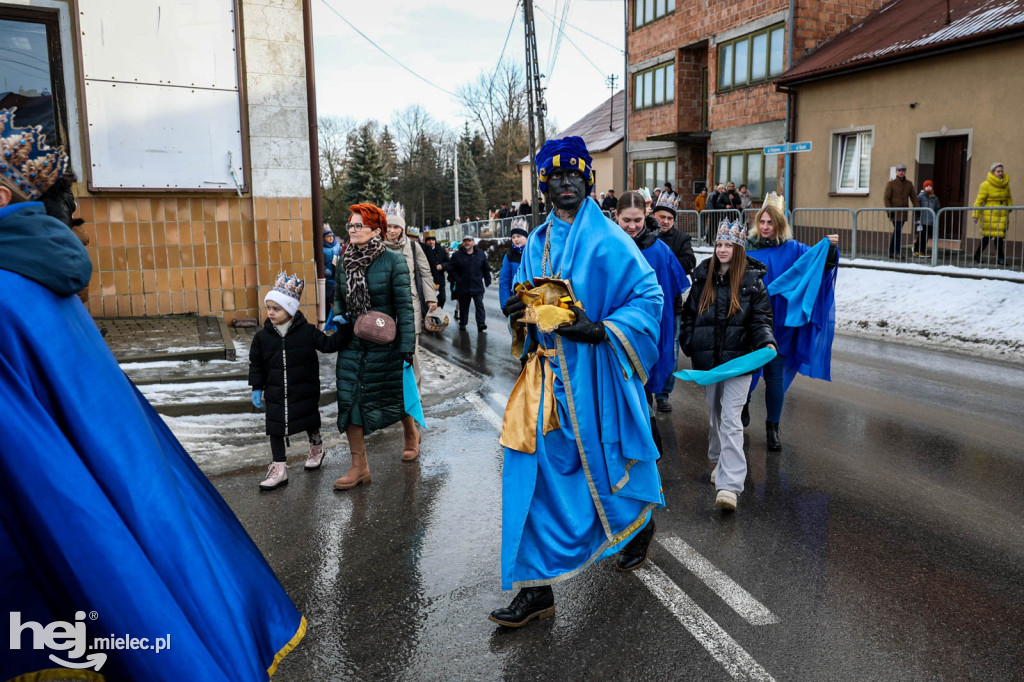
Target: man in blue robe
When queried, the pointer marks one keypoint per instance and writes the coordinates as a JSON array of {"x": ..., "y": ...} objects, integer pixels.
[
  {"x": 580, "y": 477},
  {"x": 102, "y": 512}
]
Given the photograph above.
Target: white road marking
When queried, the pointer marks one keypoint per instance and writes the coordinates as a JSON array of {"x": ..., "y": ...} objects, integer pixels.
[
  {"x": 485, "y": 410},
  {"x": 723, "y": 648},
  {"x": 742, "y": 602}
]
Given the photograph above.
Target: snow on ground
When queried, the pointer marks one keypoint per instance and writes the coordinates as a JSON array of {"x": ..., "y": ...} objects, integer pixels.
[
  {"x": 228, "y": 442},
  {"x": 977, "y": 316}
]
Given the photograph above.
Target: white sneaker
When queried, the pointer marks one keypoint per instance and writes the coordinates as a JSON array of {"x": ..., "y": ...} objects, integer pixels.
[
  {"x": 316, "y": 457},
  {"x": 277, "y": 475},
  {"x": 726, "y": 500},
  {"x": 714, "y": 473}
]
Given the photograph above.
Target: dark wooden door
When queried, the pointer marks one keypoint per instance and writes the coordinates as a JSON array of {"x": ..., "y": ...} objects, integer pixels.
[{"x": 951, "y": 182}]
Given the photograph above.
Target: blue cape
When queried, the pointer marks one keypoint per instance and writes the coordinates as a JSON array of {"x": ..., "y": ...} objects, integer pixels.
[
  {"x": 810, "y": 290},
  {"x": 592, "y": 483},
  {"x": 102, "y": 510},
  {"x": 673, "y": 282}
]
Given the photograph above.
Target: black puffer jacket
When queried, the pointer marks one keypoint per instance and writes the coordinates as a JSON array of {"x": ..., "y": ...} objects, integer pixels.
[
  {"x": 287, "y": 370},
  {"x": 711, "y": 338},
  {"x": 681, "y": 244}
]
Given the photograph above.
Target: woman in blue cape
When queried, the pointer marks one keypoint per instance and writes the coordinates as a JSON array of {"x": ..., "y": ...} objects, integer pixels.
[
  {"x": 510, "y": 263},
  {"x": 580, "y": 477},
  {"x": 804, "y": 329},
  {"x": 107, "y": 527}
]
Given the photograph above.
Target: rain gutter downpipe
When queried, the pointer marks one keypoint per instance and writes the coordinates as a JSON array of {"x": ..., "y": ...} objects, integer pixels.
[
  {"x": 314, "y": 162},
  {"x": 790, "y": 29}
]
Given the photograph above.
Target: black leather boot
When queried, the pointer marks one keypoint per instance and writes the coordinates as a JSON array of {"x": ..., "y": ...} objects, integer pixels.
[
  {"x": 530, "y": 603},
  {"x": 772, "y": 435},
  {"x": 745, "y": 414},
  {"x": 634, "y": 554}
]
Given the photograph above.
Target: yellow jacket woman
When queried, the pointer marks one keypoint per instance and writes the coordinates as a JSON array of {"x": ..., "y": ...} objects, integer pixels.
[{"x": 994, "y": 191}]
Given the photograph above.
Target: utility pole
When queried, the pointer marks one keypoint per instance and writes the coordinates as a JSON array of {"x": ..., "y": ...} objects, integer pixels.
[
  {"x": 534, "y": 101},
  {"x": 625, "y": 96},
  {"x": 610, "y": 80},
  {"x": 457, "y": 184}
]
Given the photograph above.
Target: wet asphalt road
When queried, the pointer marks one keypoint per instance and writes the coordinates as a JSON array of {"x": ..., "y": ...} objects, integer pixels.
[{"x": 885, "y": 542}]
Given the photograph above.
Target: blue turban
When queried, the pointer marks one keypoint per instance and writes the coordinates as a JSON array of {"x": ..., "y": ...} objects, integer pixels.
[{"x": 568, "y": 152}]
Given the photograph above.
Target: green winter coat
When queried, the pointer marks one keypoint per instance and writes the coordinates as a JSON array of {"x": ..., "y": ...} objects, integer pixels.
[
  {"x": 993, "y": 192},
  {"x": 370, "y": 375}
]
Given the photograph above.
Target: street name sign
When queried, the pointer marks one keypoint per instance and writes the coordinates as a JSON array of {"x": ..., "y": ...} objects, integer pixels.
[{"x": 788, "y": 148}]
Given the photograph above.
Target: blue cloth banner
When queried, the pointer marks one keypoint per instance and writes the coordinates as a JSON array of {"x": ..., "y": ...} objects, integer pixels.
[
  {"x": 102, "y": 512},
  {"x": 734, "y": 368},
  {"x": 800, "y": 284},
  {"x": 413, "y": 406}
]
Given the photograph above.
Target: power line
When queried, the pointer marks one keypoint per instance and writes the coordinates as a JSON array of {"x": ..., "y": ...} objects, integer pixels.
[
  {"x": 598, "y": 68},
  {"x": 386, "y": 53},
  {"x": 560, "y": 34},
  {"x": 511, "y": 24},
  {"x": 591, "y": 35}
]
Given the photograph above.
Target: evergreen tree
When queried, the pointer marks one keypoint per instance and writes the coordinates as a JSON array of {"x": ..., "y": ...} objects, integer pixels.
[
  {"x": 389, "y": 151},
  {"x": 471, "y": 193},
  {"x": 368, "y": 180}
]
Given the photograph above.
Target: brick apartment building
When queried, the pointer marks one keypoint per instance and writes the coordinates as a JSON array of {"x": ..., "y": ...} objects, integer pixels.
[{"x": 702, "y": 101}]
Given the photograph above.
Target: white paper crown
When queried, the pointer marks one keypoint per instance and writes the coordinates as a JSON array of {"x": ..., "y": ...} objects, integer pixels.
[
  {"x": 520, "y": 222},
  {"x": 731, "y": 232},
  {"x": 667, "y": 200},
  {"x": 289, "y": 286},
  {"x": 393, "y": 208}
]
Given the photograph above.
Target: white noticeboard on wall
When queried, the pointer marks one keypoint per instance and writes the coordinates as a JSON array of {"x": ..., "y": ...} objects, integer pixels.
[{"x": 161, "y": 95}]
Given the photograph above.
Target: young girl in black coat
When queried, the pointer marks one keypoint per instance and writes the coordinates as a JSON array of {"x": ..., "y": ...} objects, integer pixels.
[
  {"x": 727, "y": 314},
  {"x": 284, "y": 372}
]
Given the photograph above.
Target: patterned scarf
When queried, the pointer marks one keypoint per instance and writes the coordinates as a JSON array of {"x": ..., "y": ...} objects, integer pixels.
[{"x": 356, "y": 261}]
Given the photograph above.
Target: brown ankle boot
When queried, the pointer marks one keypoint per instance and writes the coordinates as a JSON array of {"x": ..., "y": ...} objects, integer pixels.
[
  {"x": 357, "y": 474},
  {"x": 412, "y": 445}
]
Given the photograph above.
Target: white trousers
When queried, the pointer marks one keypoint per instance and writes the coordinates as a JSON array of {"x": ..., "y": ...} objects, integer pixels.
[{"x": 725, "y": 433}]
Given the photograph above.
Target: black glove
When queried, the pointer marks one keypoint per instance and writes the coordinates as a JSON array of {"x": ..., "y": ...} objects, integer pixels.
[
  {"x": 582, "y": 330},
  {"x": 407, "y": 357},
  {"x": 513, "y": 308}
]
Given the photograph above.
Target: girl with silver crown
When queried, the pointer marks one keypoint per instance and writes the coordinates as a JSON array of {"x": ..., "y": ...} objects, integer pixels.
[{"x": 726, "y": 316}]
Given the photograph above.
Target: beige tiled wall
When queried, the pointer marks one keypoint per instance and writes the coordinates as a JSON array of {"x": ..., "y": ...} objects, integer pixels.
[{"x": 211, "y": 256}]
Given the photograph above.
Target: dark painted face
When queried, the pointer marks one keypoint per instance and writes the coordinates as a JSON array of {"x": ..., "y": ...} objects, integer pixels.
[{"x": 567, "y": 188}]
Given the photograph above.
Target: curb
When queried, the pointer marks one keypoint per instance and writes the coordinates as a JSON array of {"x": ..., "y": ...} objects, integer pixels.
[{"x": 225, "y": 407}]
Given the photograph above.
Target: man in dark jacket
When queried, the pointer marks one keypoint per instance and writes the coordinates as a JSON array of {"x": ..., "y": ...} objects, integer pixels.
[
  {"x": 610, "y": 202},
  {"x": 438, "y": 257},
  {"x": 471, "y": 275},
  {"x": 898, "y": 192},
  {"x": 679, "y": 241}
]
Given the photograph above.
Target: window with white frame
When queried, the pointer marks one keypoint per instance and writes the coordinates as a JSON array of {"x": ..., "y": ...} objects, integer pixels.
[
  {"x": 753, "y": 58},
  {"x": 646, "y": 11},
  {"x": 851, "y": 154},
  {"x": 655, "y": 86}
]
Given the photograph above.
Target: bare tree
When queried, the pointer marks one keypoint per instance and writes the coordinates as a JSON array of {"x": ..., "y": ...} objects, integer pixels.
[{"x": 333, "y": 133}]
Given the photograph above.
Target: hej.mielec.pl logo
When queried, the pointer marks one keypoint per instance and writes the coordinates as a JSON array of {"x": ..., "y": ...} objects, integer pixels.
[{"x": 72, "y": 638}]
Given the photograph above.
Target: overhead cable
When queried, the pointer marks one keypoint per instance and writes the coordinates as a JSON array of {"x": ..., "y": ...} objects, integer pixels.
[
  {"x": 591, "y": 35},
  {"x": 385, "y": 52}
]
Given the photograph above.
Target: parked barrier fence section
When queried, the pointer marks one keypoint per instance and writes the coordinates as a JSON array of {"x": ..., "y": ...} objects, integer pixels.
[
  {"x": 952, "y": 236},
  {"x": 811, "y": 225}
]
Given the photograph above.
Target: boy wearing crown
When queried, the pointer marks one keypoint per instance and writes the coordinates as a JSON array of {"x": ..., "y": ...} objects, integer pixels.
[{"x": 284, "y": 372}]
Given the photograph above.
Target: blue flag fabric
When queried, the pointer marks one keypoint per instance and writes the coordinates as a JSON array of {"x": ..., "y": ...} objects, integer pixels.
[
  {"x": 592, "y": 482},
  {"x": 808, "y": 347},
  {"x": 102, "y": 512},
  {"x": 800, "y": 284},
  {"x": 673, "y": 282},
  {"x": 744, "y": 364},
  {"x": 413, "y": 406}
]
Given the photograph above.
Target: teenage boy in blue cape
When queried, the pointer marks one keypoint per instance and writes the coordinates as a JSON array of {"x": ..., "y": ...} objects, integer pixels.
[{"x": 579, "y": 478}]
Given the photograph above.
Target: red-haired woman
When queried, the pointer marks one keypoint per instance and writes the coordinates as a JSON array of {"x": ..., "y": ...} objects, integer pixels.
[
  {"x": 370, "y": 277},
  {"x": 727, "y": 314}
]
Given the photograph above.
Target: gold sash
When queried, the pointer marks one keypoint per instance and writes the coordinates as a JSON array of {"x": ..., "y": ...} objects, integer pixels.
[{"x": 519, "y": 426}]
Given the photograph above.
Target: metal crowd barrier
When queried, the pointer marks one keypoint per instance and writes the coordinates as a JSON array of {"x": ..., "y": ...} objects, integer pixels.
[
  {"x": 952, "y": 236},
  {"x": 811, "y": 225}
]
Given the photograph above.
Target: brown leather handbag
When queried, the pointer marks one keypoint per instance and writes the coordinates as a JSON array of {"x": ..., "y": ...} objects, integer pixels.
[{"x": 375, "y": 327}]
